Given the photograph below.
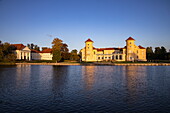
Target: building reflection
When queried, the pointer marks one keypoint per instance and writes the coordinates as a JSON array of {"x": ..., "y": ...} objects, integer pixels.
[
  {"x": 88, "y": 74},
  {"x": 135, "y": 82},
  {"x": 23, "y": 73}
]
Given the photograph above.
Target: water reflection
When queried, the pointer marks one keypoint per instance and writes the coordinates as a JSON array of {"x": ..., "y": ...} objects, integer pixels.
[
  {"x": 88, "y": 74},
  {"x": 135, "y": 82},
  {"x": 59, "y": 80},
  {"x": 23, "y": 73}
]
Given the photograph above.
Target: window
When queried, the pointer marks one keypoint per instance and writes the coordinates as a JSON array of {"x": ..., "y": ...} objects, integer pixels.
[
  {"x": 94, "y": 52},
  {"x": 116, "y": 57},
  {"x": 137, "y": 51},
  {"x": 120, "y": 57},
  {"x": 129, "y": 42},
  {"x": 99, "y": 58},
  {"x": 137, "y": 56},
  {"x": 113, "y": 57},
  {"x": 105, "y": 57},
  {"x": 102, "y": 57},
  {"x": 109, "y": 57}
]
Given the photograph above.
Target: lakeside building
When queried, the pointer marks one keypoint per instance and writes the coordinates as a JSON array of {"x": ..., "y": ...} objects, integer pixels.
[
  {"x": 130, "y": 52},
  {"x": 24, "y": 53}
]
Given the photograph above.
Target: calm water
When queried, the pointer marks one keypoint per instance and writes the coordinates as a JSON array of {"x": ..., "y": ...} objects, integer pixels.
[{"x": 121, "y": 89}]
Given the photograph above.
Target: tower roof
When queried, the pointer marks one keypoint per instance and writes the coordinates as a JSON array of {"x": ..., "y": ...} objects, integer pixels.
[
  {"x": 89, "y": 40},
  {"x": 130, "y": 38}
]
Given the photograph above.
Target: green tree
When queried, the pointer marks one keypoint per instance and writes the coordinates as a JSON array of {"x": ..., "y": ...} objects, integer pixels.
[
  {"x": 163, "y": 53},
  {"x": 56, "y": 55},
  {"x": 10, "y": 57},
  {"x": 65, "y": 52},
  {"x": 36, "y": 48},
  {"x": 157, "y": 53},
  {"x": 6, "y": 52},
  {"x": 74, "y": 55},
  {"x": 149, "y": 53},
  {"x": 56, "y": 48}
]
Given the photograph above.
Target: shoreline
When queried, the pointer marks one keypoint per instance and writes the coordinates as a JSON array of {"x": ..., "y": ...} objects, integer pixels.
[{"x": 98, "y": 64}]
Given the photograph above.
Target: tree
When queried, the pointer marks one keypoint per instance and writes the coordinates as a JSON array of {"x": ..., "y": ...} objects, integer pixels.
[
  {"x": 33, "y": 46},
  {"x": 10, "y": 57},
  {"x": 57, "y": 44},
  {"x": 56, "y": 48},
  {"x": 36, "y": 48},
  {"x": 163, "y": 53},
  {"x": 149, "y": 53},
  {"x": 157, "y": 53},
  {"x": 74, "y": 55},
  {"x": 43, "y": 48},
  {"x": 29, "y": 46},
  {"x": 6, "y": 52},
  {"x": 57, "y": 55},
  {"x": 65, "y": 52},
  {"x": 64, "y": 48}
]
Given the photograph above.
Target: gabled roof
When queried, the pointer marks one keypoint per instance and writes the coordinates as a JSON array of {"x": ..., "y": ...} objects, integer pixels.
[
  {"x": 130, "y": 38},
  {"x": 141, "y": 47},
  {"x": 89, "y": 40},
  {"x": 19, "y": 46}
]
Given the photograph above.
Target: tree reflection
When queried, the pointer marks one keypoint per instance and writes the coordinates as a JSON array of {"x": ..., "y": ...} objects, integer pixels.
[{"x": 59, "y": 79}]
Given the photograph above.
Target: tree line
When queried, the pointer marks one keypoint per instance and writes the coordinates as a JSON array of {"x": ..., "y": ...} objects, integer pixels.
[{"x": 160, "y": 53}]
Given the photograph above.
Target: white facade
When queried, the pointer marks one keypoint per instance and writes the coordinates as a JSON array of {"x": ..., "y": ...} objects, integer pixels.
[
  {"x": 23, "y": 54},
  {"x": 41, "y": 56}
]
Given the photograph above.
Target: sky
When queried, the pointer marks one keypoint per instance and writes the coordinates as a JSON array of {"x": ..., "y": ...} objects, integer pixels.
[{"x": 107, "y": 22}]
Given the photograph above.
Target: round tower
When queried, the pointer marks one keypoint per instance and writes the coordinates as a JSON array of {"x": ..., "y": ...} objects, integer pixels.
[{"x": 130, "y": 46}]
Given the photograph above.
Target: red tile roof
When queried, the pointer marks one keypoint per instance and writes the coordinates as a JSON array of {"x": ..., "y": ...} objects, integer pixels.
[
  {"x": 34, "y": 51},
  {"x": 89, "y": 40},
  {"x": 141, "y": 47},
  {"x": 102, "y": 49},
  {"x": 130, "y": 38},
  {"x": 46, "y": 51},
  {"x": 19, "y": 46}
]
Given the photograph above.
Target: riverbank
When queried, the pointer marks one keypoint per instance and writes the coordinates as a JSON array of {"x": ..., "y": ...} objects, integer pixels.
[{"x": 98, "y": 64}]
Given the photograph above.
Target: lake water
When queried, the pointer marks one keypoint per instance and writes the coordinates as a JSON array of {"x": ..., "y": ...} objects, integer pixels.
[{"x": 121, "y": 89}]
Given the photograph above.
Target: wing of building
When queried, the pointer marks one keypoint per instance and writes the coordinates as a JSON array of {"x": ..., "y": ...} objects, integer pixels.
[{"x": 130, "y": 52}]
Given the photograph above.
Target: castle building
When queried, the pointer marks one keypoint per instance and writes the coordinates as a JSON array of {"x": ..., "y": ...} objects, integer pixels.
[{"x": 130, "y": 52}]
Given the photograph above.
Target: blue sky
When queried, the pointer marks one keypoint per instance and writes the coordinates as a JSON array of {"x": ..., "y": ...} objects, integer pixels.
[{"x": 107, "y": 22}]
